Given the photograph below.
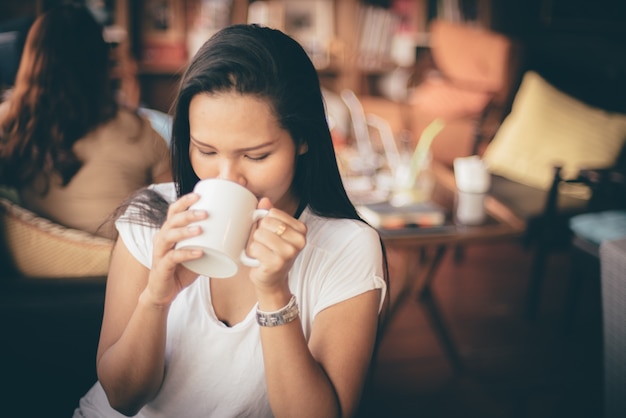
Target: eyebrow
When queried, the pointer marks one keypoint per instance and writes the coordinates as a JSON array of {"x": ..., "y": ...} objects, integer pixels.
[{"x": 254, "y": 148}]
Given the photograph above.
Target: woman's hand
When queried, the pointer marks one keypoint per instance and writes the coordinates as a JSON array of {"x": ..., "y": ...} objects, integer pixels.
[
  {"x": 168, "y": 277},
  {"x": 276, "y": 243}
]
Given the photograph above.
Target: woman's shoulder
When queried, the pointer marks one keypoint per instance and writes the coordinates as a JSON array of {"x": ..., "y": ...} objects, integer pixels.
[
  {"x": 128, "y": 131},
  {"x": 145, "y": 205},
  {"x": 166, "y": 190},
  {"x": 323, "y": 222},
  {"x": 151, "y": 196},
  {"x": 123, "y": 125},
  {"x": 336, "y": 232},
  {"x": 128, "y": 119},
  {"x": 129, "y": 124}
]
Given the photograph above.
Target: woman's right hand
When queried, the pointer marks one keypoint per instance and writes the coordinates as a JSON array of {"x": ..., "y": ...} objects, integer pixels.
[
  {"x": 136, "y": 310},
  {"x": 168, "y": 277}
]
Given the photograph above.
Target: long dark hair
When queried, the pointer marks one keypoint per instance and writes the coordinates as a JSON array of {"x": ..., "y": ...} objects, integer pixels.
[
  {"x": 61, "y": 92},
  {"x": 266, "y": 63}
]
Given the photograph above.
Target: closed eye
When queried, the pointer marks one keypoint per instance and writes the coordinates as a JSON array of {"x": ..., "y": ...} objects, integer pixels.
[
  {"x": 207, "y": 152},
  {"x": 257, "y": 157}
]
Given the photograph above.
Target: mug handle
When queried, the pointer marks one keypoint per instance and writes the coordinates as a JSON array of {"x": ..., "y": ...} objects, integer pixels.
[{"x": 245, "y": 259}]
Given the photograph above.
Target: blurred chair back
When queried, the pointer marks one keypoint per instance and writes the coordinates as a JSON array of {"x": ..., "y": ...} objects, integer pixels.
[{"x": 470, "y": 86}]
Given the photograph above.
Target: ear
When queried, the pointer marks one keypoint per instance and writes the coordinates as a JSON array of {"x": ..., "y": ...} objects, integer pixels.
[{"x": 303, "y": 148}]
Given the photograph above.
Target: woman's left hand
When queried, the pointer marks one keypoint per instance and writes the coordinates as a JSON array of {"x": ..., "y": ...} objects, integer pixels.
[{"x": 276, "y": 243}]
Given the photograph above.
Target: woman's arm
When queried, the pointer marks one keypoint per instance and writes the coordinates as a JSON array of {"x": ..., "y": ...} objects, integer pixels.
[
  {"x": 131, "y": 352},
  {"x": 325, "y": 378}
]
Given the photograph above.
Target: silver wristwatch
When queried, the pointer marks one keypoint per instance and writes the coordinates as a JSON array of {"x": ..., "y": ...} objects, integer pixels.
[{"x": 280, "y": 317}]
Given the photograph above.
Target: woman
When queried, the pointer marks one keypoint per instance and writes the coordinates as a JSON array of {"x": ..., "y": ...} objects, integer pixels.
[
  {"x": 173, "y": 343},
  {"x": 67, "y": 147}
]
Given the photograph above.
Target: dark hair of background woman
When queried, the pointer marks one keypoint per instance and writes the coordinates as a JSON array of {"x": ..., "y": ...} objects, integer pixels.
[{"x": 62, "y": 91}]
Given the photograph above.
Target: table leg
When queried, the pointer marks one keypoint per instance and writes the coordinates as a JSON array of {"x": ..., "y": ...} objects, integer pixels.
[
  {"x": 424, "y": 295},
  {"x": 402, "y": 268},
  {"x": 419, "y": 288}
]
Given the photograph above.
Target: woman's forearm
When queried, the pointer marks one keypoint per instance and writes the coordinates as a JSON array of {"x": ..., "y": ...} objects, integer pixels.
[
  {"x": 131, "y": 369},
  {"x": 296, "y": 383},
  {"x": 324, "y": 376}
]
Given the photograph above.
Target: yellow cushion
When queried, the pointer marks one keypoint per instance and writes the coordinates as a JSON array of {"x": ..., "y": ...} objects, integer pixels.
[
  {"x": 41, "y": 248},
  {"x": 547, "y": 127}
]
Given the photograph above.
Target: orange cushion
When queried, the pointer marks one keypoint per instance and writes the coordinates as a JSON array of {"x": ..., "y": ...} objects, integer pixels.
[
  {"x": 474, "y": 57},
  {"x": 435, "y": 96}
]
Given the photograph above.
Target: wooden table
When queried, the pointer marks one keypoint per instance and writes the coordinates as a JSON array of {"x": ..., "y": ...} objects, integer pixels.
[{"x": 421, "y": 251}]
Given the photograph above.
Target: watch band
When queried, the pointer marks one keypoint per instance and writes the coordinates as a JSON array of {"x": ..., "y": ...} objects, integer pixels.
[{"x": 280, "y": 317}]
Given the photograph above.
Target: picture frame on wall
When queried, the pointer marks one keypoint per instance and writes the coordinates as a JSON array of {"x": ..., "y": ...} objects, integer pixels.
[
  {"x": 203, "y": 19},
  {"x": 310, "y": 22},
  {"x": 163, "y": 36}
]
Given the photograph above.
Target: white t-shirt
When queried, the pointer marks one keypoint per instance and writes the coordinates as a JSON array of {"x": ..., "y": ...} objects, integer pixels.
[{"x": 213, "y": 370}]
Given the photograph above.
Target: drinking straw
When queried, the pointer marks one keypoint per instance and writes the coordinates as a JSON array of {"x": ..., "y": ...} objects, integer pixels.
[
  {"x": 387, "y": 139},
  {"x": 421, "y": 150}
]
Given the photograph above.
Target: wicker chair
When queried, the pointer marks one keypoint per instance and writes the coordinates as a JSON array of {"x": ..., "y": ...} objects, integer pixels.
[
  {"x": 52, "y": 286},
  {"x": 36, "y": 247}
]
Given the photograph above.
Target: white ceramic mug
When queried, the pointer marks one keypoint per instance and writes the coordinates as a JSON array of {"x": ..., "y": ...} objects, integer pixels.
[
  {"x": 232, "y": 212},
  {"x": 470, "y": 208}
]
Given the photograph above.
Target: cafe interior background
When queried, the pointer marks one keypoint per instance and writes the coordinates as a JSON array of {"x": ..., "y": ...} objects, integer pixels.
[{"x": 529, "y": 318}]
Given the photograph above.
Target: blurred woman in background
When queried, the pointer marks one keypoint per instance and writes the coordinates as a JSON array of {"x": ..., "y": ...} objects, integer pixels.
[{"x": 69, "y": 149}]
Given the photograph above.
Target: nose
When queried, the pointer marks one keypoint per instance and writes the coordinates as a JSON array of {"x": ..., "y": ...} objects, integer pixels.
[{"x": 229, "y": 170}]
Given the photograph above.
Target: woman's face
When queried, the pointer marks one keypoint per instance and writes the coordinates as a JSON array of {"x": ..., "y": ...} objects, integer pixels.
[{"x": 237, "y": 137}]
